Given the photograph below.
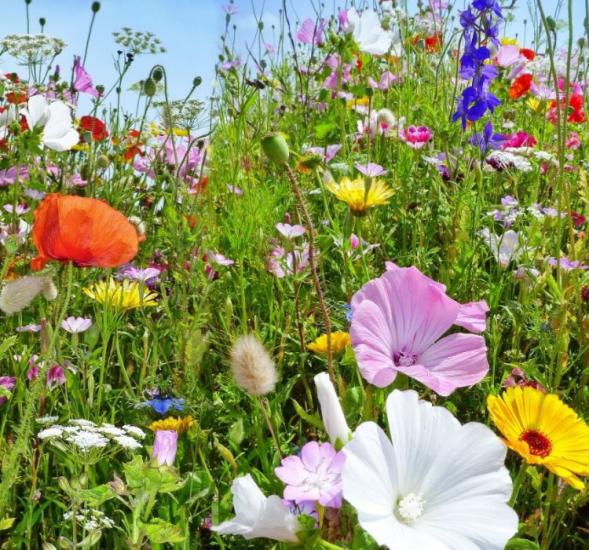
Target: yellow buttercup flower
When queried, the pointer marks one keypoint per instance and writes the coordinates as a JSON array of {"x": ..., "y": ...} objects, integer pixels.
[
  {"x": 543, "y": 430},
  {"x": 339, "y": 341},
  {"x": 181, "y": 132},
  {"x": 176, "y": 424},
  {"x": 353, "y": 193},
  {"x": 509, "y": 41},
  {"x": 122, "y": 295}
]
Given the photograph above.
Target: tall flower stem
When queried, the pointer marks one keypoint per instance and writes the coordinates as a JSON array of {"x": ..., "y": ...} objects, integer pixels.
[
  {"x": 264, "y": 408},
  {"x": 313, "y": 265},
  {"x": 11, "y": 468}
]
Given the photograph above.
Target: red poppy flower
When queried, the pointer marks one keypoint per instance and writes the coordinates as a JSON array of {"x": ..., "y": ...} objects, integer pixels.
[
  {"x": 530, "y": 55},
  {"x": 16, "y": 98},
  {"x": 520, "y": 86},
  {"x": 85, "y": 231},
  {"x": 94, "y": 126}
]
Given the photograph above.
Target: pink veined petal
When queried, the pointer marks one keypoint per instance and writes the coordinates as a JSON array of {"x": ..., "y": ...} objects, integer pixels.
[
  {"x": 311, "y": 455},
  {"x": 473, "y": 316},
  {"x": 373, "y": 344},
  {"x": 392, "y": 266},
  {"x": 292, "y": 471},
  {"x": 456, "y": 361}
]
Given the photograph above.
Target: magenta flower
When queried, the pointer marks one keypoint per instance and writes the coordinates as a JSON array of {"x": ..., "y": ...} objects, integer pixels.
[
  {"x": 82, "y": 80},
  {"x": 398, "y": 321},
  {"x": 372, "y": 170},
  {"x": 165, "y": 446},
  {"x": 416, "y": 136},
  {"x": 290, "y": 231},
  {"x": 315, "y": 475},
  {"x": 8, "y": 383},
  {"x": 75, "y": 325},
  {"x": 55, "y": 376}
]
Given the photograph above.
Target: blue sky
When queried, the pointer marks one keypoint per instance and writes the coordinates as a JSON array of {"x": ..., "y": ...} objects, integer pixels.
[{"x": 189, "y": 29}]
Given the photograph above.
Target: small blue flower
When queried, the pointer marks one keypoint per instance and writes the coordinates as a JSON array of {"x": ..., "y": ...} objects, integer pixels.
[{"x": 162, "y": 405}]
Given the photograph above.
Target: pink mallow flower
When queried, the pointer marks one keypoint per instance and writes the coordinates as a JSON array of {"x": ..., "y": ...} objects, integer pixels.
[
  {"x": 398, "y": 323},
  {"x": 315, "y": 475},
  {"x": 8, "y": 383},
  {"x": 82, "y": 80},
  {"x": 416, "y": 136},
  {"x": 165, "y": 446}
]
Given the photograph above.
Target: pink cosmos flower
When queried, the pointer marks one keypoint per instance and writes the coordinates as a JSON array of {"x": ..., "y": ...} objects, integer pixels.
[
  {"x": 386, "y": 80},
  {"x": 290, "y": 231},
  {"x": 519, "y": 139},
  {"x": 165, "y": 446},
  {"x": 82, "y": 80},
  {"x": 311, "y": 32},
  {"x": 416, "y": 136},
  {"x": 573, "y": 141},
  {"x": 282, "y": 263},
  {"x": 398, "y": 323},
  {"x": 315, "y": 475},
  {"x": 508, "y": 55}
]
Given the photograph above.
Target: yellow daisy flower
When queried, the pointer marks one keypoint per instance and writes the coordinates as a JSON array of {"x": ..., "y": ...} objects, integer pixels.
[
  {"x": 358, "y": 102},
  {"x": 353, "y": 193},
  {"x": 176, "y": 424},
  {"x": 543, "y": 430},
  {"x": 122, "y": 295},
  {"x": 339, "y": 341}
]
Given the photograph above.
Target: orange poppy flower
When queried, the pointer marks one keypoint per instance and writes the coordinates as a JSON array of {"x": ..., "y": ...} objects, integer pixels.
[
  {"x": 520, "y": 86},
  {"x": 85, "y": 231}
]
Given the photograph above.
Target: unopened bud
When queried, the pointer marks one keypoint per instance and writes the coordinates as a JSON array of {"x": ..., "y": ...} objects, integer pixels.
[
  {"x": 157, "y": 74},
  {"x": 95, "y": 7},
  {"x": 275, "y": 148},
  {"x": 102, "y": 161},
  {"x": 149, "y": 87}
]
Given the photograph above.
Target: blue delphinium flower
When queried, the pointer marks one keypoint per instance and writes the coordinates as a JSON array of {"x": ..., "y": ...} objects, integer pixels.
[{"x": 486, "y": 139}]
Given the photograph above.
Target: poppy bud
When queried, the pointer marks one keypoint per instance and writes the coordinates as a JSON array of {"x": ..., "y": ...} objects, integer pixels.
[
  {"x": 102, "y": 161},
  {"x": 42, "y": 21},
  {"x": 275, "y": 148},
  {"x": 157, "y": 74},
  {"x": 95, "y": 7},
  {"x": 197, "y": 81},
  {"x": 149, "y": 87}
]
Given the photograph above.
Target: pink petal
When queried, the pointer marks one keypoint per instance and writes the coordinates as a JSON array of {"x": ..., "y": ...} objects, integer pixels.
[{"x": 473, "y": 316}]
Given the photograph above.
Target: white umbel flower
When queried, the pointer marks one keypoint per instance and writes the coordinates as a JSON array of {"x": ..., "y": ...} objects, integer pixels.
[
  {"x": 257, "y": 516},
  {"x": 438, "y": 485},
  {"x": 252, "y": 366}
]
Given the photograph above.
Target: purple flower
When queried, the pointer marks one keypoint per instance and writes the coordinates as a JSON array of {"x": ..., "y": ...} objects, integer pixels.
[
  {"x": 10, "y": 175},
  {"x": 19, "y": 210},
  {"x": 398, "y": 325},
  {"x": 290, "y": 231},
  {"x": 371, "y": 169},
  {"x": 230, "y": 9},
  {"x": 486, "y": 139},
  {"x": 75, "y": 325},
  {"x": 8, "y": 383},
  {"x": 165, "y": 446},
  {"x": 149, "y": 275},
  {"x": 328, "y": 152},
  {"x": 282, "y": 263},
  {"x": 82, "y": 80},
  {"x": 315, "y": 475},
  {"x": 231, "y": 64},
  {"x": 55, "y": 376},
  {"x": 566, "y": 264}
]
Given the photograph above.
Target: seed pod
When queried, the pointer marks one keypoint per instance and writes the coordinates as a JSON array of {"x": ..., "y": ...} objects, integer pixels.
[{"x": 275, "y": 148}]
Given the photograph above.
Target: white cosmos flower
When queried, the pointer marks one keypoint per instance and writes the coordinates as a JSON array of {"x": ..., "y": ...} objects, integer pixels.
[
  {"x": 331, "y": 410},
  {"x": 257, "y": 516},
  {"x": 438, "y": 485},
  {"x": 504, "y": 248},
  {"x": 56, "y": 120},
  {"x": 368, "y": 32}
]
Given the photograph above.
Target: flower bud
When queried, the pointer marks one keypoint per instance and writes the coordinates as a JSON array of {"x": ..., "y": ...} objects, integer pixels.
[
  {"x": 275, "y": 148},
  {"x": 157, "y": 74},
  {"x": 331, "y": 410},
  {"x": 149, "y": 87},
  {"x": 95, "y": 7},
  {"x": 102, "y": 161},
  {"x": 165, "y": 446}
]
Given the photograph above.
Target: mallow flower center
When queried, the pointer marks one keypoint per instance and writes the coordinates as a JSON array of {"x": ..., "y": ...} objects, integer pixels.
[
  {"x": 410, "y": 507},
  {"x": 404, "y": 358}
]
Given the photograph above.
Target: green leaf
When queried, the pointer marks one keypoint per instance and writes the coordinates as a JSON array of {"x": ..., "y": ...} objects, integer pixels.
[
  {"x": 159, "y": 531},
  {"x": 236, "y": 433},
  {"x": 6, "y": 344},
  {"x": 97, "y": 495},
  {"x": 522, "y": 544},
  {"x": 312, "y": 419},
  {"x": 6, "y": 523}
]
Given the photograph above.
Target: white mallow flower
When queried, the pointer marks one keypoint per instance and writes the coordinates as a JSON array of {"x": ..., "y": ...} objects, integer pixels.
[
  {"x": 369, "y": 34},
  {"x": 504, "y": 248},
  {"x": 438, "y": 485},
  {"x": 56, "y": 120},
  {"x": 331, "y": 410},
  {"x": 257, "y": 516}
]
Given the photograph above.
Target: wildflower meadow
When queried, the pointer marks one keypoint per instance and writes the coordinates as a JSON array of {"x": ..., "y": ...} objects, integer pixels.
[{"x": 333, "y": 294}]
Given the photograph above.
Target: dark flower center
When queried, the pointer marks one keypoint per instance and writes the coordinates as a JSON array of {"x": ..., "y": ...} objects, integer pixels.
[
  {"x": 538, "y": 443},
  {"x": 404, "y": 358}
]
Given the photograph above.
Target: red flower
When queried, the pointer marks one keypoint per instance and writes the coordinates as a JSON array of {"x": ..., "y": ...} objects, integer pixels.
[
  {"x": 520, "y": 86},
  {"x": 528, "y": 54},
  {"x": 578, "y": 219},
  {"x": 95, "y": 126},
  {"x": 16, "y": 98},
  {"x": 433, "y": 43}
]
